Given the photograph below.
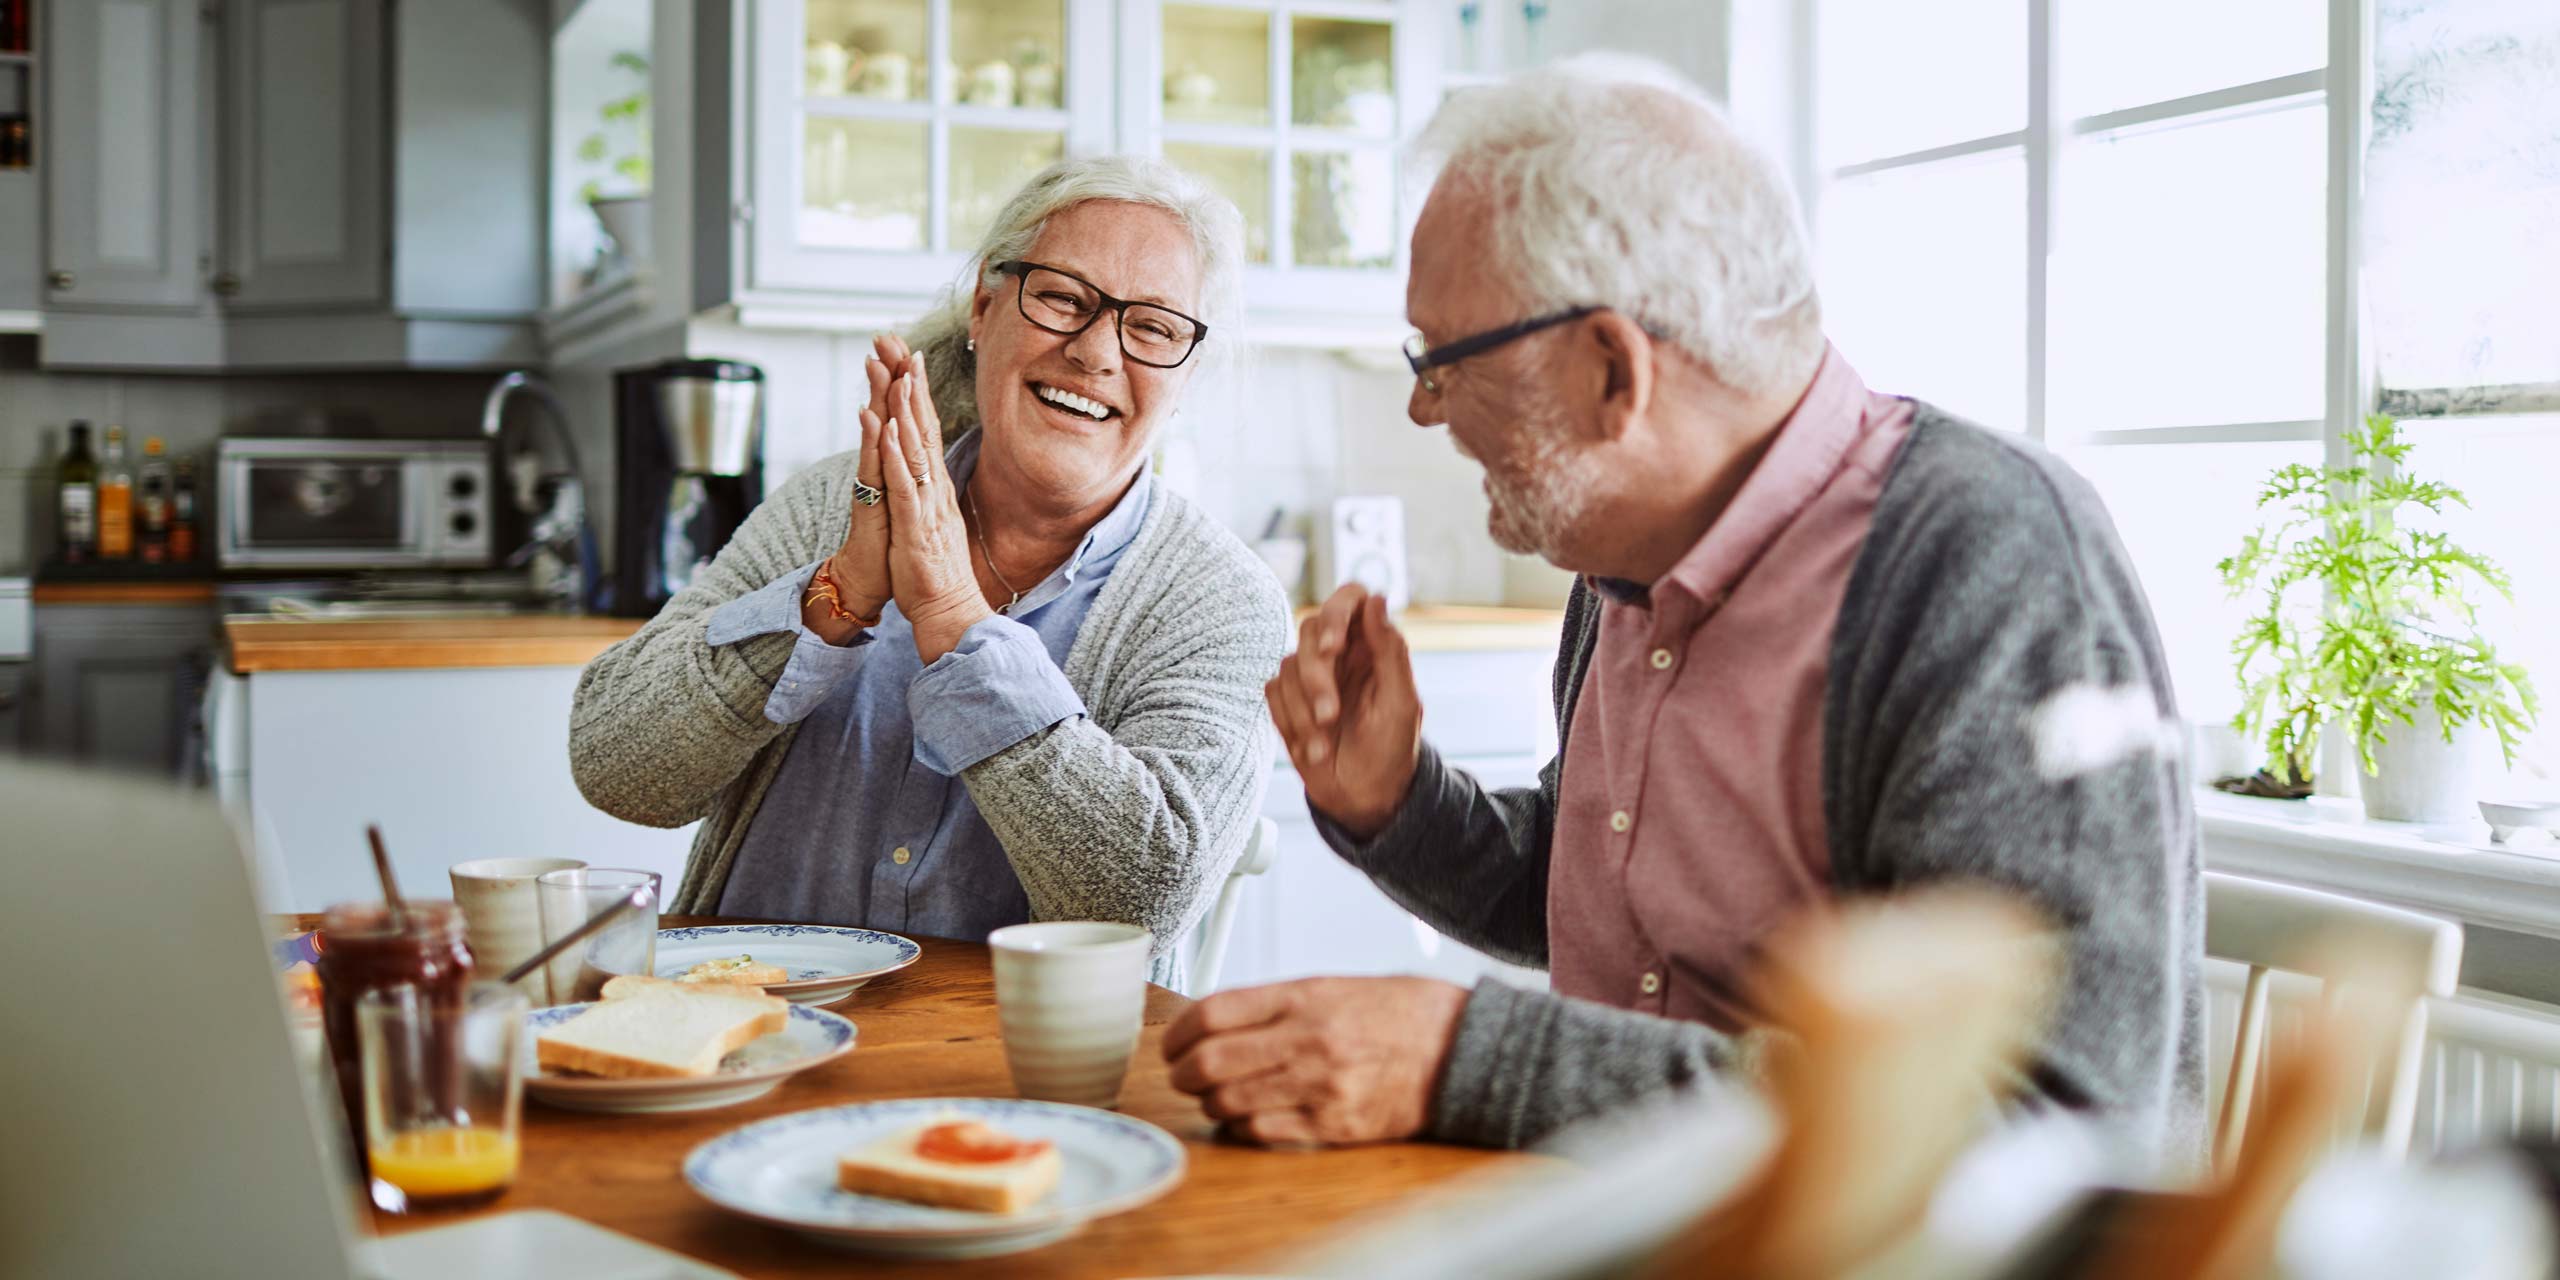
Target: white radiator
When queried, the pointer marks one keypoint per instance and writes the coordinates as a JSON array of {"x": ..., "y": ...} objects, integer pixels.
[{"x": 2491, "y": 1069}]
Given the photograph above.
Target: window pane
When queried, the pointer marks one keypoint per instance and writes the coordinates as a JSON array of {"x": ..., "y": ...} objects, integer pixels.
[
  {"x": 2504, "y": 466},
  {"x": 1924, "y": 283},
  {"x": 1340, "y": 75},
  {"x": 2189, "y": 275},
  {"x": 2180, "y": 509},
  {"x": 2116, "y": 54},
  {"x": 1900, "y": 75},
  {"x": 862, "y": 184},
  {"x": 1345, "y": 208},
  {"x": 987, "y": 167},
  {"x": 1241, "y": 174},
  {"x": 866, "y": 49},
  {"x": 2462, "y": 193},
  {"x": 1217, "y": 65},
  {"x": 1007, "y": 53}
]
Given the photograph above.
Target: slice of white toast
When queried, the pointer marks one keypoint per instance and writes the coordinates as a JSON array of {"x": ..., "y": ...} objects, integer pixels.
[
  {"x": 650, "y": 1028},
  {"x": 741, "y": 970},
  {"x": 891, "y": 1167}
]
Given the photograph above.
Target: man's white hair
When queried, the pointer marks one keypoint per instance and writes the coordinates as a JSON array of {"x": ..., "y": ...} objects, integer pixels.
[
  {"x": 1613, "y": 182},
  {"x": 1217, "y": 236}
]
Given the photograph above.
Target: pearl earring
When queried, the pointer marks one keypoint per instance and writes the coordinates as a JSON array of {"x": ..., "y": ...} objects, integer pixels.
[{"x": 973, "y": 344}]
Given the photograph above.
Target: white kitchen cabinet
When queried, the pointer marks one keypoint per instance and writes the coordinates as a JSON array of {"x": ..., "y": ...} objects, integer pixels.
[
  {"x": 444, "y": 760},
  {"x": 126, "y": 92},
  {"x": 1294, "y": 111},
  {"x": 845, "y": 155},
  {"x": 293, "y": 184},
  {"x": 304, "y": 222},
  {"x": 1313, "y": 914}
]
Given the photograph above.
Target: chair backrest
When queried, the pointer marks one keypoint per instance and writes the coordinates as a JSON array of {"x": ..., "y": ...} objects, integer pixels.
[
  {"x": 2275, "y": 927},
  {"x": 1261, "y": 849}
]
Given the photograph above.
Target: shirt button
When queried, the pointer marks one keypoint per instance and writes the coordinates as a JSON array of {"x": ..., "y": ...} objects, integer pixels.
[
  {"x": 1662, "y": 659},
  {"x": 1621, "y": 820},
  {"x": 901, "y": 856},
  {"x": 1651, "y": 983}
]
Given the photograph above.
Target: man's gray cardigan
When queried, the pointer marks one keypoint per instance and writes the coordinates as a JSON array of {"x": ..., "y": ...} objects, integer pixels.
[{"x": 1991, "y": 580}]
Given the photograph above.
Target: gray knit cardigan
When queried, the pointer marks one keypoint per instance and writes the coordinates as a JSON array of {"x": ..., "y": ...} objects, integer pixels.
[{"x": 1133, "y": 813}]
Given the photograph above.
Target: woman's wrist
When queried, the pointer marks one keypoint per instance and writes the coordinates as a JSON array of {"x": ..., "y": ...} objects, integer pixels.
[
  {"x": 940, "y": 629},
  {"x": 825, "y": 612}
]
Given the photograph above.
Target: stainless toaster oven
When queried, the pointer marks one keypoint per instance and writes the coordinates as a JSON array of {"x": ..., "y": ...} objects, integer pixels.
[{"x": 353, "y": 504}]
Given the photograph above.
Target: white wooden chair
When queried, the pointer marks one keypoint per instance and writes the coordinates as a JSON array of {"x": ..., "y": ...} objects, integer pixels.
[
  {"x": 1261, "y": 849},
  {"x": 2270, "y": 927}
]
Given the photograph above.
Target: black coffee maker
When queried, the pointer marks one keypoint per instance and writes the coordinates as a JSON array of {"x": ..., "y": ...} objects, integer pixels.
[{"x": 689, "y": 440}]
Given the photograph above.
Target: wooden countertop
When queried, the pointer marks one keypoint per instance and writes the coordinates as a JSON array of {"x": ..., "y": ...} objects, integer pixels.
[
  {"x": 931, "y": 1031},
  {"x": 552, "y": 640},
  {"x": 408, "y": 644},
  {"x": 1473, "y": 628},
  {"x": 122, "y": 593}
]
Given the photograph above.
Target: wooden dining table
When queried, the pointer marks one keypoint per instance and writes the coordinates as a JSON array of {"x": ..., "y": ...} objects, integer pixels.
[{"x": 930, "y": 1030}]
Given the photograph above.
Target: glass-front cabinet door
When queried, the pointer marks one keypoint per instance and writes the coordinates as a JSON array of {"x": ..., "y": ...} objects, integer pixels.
[
  {"x": 889, "y": 132},
  {"x": 1295, "y": 112}
]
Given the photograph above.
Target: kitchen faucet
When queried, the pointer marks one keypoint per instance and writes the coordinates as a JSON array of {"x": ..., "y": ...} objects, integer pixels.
[{"x": 562, "y": 533}]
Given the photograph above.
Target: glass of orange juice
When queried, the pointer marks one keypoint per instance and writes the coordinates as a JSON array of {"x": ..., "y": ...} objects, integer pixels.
[{"x": 443, "y": 1090}]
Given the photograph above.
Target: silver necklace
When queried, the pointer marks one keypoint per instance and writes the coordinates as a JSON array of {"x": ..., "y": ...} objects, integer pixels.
[{"x": 984, "y": 550}]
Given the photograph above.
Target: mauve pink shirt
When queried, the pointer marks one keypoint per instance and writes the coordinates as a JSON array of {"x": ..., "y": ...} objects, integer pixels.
[{"x": 1689, "y": 816}]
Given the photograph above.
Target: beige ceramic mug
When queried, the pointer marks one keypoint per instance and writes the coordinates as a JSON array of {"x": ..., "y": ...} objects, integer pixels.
[
  {"x": 501, "y": 916},
  {"x": 1070, "y": 996}
]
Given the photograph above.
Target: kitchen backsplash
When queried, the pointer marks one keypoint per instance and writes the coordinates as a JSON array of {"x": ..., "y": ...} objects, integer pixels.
[{"x": 188, "y": 413}]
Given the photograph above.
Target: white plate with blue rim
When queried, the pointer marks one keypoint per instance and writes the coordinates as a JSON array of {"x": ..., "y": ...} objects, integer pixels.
[
  {"x": 754, "y": 1069},
  {"x": 783, "y": 1171},
  {"x": 826, "y": 962}
]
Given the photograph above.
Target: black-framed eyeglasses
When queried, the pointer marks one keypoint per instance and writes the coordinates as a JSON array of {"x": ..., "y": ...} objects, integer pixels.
[
  {"x": 1063, "y": 302},
  {"x": 1424, "y": 357}
]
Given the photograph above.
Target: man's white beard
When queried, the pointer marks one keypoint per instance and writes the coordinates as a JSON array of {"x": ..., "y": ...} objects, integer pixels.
[{"x": 1550, "y": 488}]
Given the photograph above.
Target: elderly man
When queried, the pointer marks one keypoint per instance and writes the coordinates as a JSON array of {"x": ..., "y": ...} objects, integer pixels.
[{"x": 1824, "y": 643}]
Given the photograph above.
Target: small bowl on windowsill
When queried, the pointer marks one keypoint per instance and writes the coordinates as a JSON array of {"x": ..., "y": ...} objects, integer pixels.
[{"x": 2507, "y": 817}]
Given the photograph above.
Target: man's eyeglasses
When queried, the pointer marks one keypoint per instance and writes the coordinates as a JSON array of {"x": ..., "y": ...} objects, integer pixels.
[
  {"x": 1424, "y": 357},
  {"x": 1159, "y": 337}
]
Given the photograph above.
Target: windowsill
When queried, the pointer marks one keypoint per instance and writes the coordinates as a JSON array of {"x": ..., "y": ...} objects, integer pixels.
[{"x": 2452, "y": 871}]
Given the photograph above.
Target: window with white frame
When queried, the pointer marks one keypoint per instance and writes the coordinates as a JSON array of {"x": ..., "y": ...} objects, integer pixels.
[
  {"x": 2133, "y": 229},
  {"x": 2106, "y": 224}
]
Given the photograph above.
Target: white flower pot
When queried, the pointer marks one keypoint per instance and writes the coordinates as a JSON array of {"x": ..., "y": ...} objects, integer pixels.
[
  {"x": 626, "y": 219},
  {"x": 2419, "y": 777}
]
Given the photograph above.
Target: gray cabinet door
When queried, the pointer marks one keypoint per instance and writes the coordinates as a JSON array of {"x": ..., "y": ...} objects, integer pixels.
[
  {"x": 120, "y": 685},
  {"x": 13, "y": 708},
  {"x": 304, "y": 168},
  {"x": 124, "y": 94}
]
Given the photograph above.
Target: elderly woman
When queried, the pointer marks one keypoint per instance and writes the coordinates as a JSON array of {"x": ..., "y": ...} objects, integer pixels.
[{"x": 944, "y": 687}]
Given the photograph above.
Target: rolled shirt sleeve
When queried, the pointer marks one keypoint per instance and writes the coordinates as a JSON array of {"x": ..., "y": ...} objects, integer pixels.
[
  {"x": 816, "y": 667},
  {"x": 995, "y": 689}
]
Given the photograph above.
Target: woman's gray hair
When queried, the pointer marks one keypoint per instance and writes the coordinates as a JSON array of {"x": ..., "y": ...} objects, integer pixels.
[
  {"x": 1613, "y": 182},
  {"x": 1217, "y": 234}
]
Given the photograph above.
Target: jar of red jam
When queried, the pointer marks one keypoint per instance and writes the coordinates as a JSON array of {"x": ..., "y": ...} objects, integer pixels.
[{"x": 361, "y": 951}]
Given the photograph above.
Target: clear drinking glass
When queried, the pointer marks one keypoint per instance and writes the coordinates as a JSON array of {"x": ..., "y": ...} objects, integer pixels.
[
  {"x": 443, "y": 1089},
  {"x": 863, "y": 184},
  {"x": 628, "y": 945}
]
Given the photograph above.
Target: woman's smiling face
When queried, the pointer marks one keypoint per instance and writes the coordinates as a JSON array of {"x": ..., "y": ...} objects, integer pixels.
[{"x": 1073, "y": 414}]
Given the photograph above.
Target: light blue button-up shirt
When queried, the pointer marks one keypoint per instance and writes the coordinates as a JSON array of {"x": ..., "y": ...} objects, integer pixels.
[{"x": 868, "y": 822}]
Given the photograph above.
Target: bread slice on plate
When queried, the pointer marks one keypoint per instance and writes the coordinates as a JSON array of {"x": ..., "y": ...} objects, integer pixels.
[
  {"x": 650, "y": 1028},
  {"x": 895, "y": 1167},
  {"x": 742, "y": 970}
]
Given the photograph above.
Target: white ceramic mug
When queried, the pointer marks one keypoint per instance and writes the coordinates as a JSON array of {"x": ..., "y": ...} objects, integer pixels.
[
  {"x": 501, "y": 917},
  {"x": 1070, "y": 996}
]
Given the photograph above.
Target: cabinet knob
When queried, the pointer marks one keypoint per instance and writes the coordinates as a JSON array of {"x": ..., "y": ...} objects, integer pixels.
[
  {"x": 226, "y": 284},
  {"x": 61, "y": 281}
]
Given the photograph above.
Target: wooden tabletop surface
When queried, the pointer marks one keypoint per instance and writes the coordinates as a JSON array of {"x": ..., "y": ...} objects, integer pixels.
[{"x": 930, "y": 1031}]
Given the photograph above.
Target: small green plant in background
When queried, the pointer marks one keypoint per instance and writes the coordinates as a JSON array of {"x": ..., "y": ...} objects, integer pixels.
[
  {"x": 626, "y": 122},
  {"x": 2361, "y": 618}
]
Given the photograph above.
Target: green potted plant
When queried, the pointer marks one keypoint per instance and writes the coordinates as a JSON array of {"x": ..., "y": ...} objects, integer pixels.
[
  {"x": 620, "y": 195},
  {"x": 2366, "y": 621}
]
